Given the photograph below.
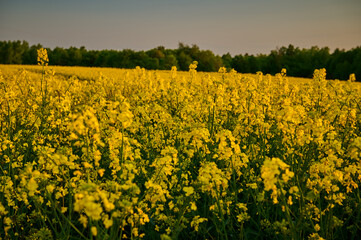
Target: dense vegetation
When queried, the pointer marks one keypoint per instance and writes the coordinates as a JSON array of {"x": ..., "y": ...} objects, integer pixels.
[
  {"x": 165, "y": 155},
  {"x": 298, "y": 62}
]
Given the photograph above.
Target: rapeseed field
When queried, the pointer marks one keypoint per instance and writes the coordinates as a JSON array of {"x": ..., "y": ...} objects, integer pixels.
[{"x": 91, "y": 153}]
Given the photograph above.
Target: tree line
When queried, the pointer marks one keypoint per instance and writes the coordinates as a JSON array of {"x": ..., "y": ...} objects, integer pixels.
[{"x": 298, "y": 62}]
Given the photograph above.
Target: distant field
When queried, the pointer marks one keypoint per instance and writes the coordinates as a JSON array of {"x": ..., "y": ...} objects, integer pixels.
[
  {"x": 95, "y": 72},
  {"x": 101, "y": 153}
]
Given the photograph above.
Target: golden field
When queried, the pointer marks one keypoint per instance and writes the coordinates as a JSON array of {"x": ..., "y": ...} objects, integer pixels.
[{"x": 96, "y": 153}]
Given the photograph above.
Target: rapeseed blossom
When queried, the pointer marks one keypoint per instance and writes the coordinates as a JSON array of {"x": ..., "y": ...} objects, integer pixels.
[
  {"x": 110, "y": 153},
  {"x": 43, "y": 59}
]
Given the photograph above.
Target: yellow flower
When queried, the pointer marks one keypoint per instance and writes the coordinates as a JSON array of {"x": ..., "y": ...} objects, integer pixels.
[
  {"x": 87, "y": 165},
  {"x": 7, "y": 224},
  {"x": 317, "y": 227},
  {"x": 212, "y": 179},
  {"x": 2, "y": 210},
  {"x": 32, "y": 186},
  {"x": 101, "y": 172},
  {"x": 222, "y": 70},
  {"x": 289, "y": 201},
  {"x": 283, "y": 72},
  {"x": 271, "y": 172},
  {"x": 196, "y": 221},
  {"x": 193, "y": 65},
  {"x": 188, "y": 190},
  {"x": 94, "y": 230},
  {"x": 83, "y": 220},
  {"x": 50, "y": 188},
  {"x": 193, "y": 206},
  {"x": 43, "y": 59},
  {"x": 352, "y": 77},
  {"x": 315, "y": 236},
  {"x": 88, "y": 204},
  {"x": 107, "y": 222}
]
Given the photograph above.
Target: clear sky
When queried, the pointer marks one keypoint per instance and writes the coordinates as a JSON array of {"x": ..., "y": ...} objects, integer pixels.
[{"x": 237, "y": 27}]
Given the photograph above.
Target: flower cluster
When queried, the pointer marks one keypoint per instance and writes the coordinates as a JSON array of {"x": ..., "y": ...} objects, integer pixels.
[{"x": 43, "y": 59}]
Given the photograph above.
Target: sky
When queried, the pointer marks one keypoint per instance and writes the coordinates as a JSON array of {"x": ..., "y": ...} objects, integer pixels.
[{"x": 237, "y": 27}]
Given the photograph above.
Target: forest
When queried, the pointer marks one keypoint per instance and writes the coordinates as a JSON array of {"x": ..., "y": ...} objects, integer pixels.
[{"x": 299, "y": 62}]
